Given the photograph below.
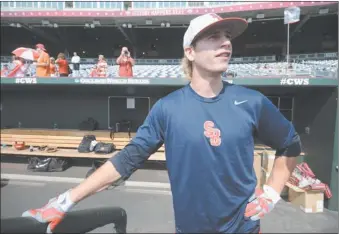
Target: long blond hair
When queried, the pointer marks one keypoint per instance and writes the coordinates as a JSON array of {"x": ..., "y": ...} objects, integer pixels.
[
  {"x": 61, "y": 56},
  {"x": 186, "y": 66}
]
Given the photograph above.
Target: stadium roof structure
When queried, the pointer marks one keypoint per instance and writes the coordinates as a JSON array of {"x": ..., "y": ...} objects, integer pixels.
[{"x": 177, "y": 17}]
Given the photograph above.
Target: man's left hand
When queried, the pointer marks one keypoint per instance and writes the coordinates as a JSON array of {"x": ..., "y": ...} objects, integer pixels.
[{"x": 261, "y": 203}]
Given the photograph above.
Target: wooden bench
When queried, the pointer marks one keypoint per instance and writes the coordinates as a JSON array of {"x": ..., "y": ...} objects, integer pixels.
[
  {"x": 67, "y": 142},
  {"x": 158, "y": 156}
]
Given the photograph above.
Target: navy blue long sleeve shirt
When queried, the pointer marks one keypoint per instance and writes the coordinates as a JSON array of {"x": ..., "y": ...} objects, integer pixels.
[{"x": 209, "y": 153}]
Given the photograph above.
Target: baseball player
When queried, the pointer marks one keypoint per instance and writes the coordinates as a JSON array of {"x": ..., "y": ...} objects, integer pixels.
[{"x": 208, "y": 128}]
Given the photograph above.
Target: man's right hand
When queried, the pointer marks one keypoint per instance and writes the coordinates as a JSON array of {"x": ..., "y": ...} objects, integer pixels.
[{"x": 53, "y": 212}]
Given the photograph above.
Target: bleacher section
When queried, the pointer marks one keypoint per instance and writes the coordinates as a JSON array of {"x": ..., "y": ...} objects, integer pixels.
[
  {"x": 304, "y": 65},
  {"x": 323, "y": 68},
  {"x": 317, "y": 68}
]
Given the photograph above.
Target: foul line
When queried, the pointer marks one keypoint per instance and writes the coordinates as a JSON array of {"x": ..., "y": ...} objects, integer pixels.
[{"x": 75, "y": 180}]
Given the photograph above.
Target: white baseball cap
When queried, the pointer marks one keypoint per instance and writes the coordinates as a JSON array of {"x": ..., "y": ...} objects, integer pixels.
[{"x": 235, "y": 26}]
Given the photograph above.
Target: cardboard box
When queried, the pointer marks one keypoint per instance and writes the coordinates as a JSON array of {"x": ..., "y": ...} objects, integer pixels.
[
  {"x": 308, "y": 201},
  {"x": 264, "y": 176},
  {"x": 268, "y": 157},
  {"x": 284, "y": 192},
  {"x": 257, "y": 168}
]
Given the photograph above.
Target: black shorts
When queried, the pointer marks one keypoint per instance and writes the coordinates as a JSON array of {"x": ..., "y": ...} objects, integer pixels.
[{"x": 76, "y": 66}]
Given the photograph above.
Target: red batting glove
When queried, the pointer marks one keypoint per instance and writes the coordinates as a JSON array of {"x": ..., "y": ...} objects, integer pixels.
[
  {"x": 53, "y": 212},
  {"x": 261, "y": 203}
]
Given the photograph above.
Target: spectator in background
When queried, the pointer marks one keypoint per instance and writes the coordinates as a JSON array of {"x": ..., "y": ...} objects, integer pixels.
[
  {"x": 15, "y": 60},
  {"x": 4, "y": 71},
  {"x": 20, "y": 69},
  {"x": 63, "y": 65},
  {"x": 42, "y": 65},
  {"x": 125, "y": 63},
  {"x": 52, "y": 67},
  {"x": 102, "y": 67},
  {"x": 76, "y": 64},
  {"x": 94, "y": 71}
]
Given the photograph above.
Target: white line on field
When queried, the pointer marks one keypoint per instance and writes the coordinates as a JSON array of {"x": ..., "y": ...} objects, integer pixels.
[
  {"x": 146, "y": 191},
  {"x": 24, "y": 183},
  {"x": 41, "y": 178},
  {"x": 74, "y": 180},
  {"x": 147, "y": 184}
]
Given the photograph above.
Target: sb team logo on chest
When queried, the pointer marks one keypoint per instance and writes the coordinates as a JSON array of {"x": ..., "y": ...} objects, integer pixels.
[{"x": 212, "y": 133}]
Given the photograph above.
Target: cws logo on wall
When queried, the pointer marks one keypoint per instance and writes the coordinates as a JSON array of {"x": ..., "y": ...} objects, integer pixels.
[
  {"x": 25, "y": 80},
  {"x": 295, "y": 81}
]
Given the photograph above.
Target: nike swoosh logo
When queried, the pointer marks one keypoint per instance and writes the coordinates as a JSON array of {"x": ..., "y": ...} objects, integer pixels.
[{"x": 238, "y": 103}]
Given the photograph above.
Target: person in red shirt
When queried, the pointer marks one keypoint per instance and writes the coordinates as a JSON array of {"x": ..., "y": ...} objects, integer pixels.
[
  {"x": 94, "y": 71},
  {"x": 102, "y": 67},
  {"x": 125, "y": 62},
  {"x": 15, "y": 60},
  {"x": 19, "y": 70},
  {"x": 4, "y": 71},
  {"x": 52, "y": 67},
  {"x": 63, "y": 65}
]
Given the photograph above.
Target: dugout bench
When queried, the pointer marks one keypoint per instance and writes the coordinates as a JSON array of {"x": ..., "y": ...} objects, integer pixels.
[{"x": 66, "y": 142}]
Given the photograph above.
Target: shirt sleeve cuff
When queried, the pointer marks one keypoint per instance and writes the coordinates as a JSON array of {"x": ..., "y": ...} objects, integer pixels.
[{"x": 120, "y": 166}]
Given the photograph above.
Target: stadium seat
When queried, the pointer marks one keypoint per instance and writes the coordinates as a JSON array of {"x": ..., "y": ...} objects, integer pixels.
[{"x": 309, "y": 68}]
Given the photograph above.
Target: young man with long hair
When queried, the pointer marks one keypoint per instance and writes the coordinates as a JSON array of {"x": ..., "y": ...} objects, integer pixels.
[{"x": 208, "y": 128}]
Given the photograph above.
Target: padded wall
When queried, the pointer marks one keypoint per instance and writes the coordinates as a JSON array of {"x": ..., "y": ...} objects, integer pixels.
[
  {"x": 41, "y": 107},
  {"x": 316, "y": 109}
]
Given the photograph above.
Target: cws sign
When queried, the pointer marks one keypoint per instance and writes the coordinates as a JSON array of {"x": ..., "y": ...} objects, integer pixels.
[
  {"x": 294, "y": 81},
  {"x": 25, "y": 81}
]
